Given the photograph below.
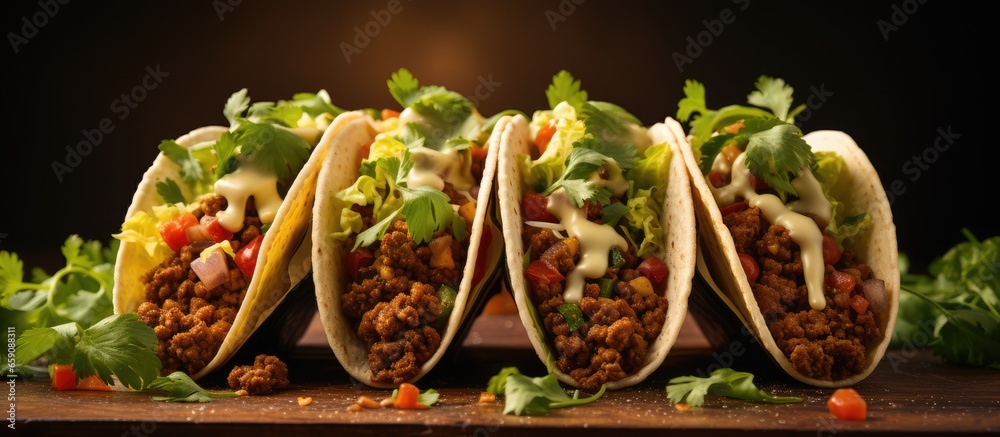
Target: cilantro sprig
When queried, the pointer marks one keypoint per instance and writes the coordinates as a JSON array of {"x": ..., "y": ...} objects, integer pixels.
[
  {"x": 179, "y": 387},
  {"x": 955, "y": 303},
  {"x": 604, "y": 120},
  {"x": 526, "y": 396},
  {"x": 724, "y": 382},
  {"x": 581, "y": 163},
  {"x": 80, "y": 292},
  {"x": 431, "y": 101},
  {"x": 774, "y": 148}
]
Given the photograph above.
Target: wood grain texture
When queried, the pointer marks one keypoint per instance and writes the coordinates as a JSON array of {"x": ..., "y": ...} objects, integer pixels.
[{"x": 910, "y": 393}]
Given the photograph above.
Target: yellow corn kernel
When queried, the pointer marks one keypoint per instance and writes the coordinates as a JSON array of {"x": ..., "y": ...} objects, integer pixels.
[
  {"x": 468, "y": 211},
  {"x": 573, "y": 244},
  {"x": 641, "y": 285}
]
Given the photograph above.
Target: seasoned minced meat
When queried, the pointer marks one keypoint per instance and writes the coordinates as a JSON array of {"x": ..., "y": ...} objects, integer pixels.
[
  {"x": 394, "y": 301},
  {"x": 828, "y": 344},
  {"x": 613, "y": 341},
  {"x": 265, "y": 375},
  {"x": 190, "y": 321}
]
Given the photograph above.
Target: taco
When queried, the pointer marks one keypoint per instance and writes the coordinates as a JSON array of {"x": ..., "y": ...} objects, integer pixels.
[
  {"x": 796, "y": 231},
  {"x": 212, "y": 241},
  {"x": 600, "y": 244},
  {"x": 402, "y": 247}
]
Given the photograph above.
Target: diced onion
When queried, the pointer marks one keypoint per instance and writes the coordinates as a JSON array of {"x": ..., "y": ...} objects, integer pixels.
[
  {"x": 198, "y": 233},
  {"x": 212, "y": 272},
  {"x": 874, "y": 290}
]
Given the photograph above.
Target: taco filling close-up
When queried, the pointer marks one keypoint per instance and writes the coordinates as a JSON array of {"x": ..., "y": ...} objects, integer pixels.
[
  {"x": 191, "y": 256},
  {"x": 593, "y": 190},
  {"x": 794, "y": 238},
  {"x": 406, "y": 230}
]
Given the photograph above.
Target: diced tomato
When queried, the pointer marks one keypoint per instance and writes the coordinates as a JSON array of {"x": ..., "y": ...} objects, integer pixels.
[
  {"x": 484, "y": 251},
  {"x": 218, "y": 233},
  {"x": 736, "y": 207},
  {"x": 541, "y": 271},
  {"x": 173, "y": 231},
  {"x": 246, "y": 257},
  {"x": 478, "y": 152},
  {"x": 389, "y": 113},
  {"x": 859, "y": 303},
  {"x": 63, "y": 377},
  {"x": 759, "y": 184},
  {"x": 654, "y": 269},
  {"x": 750, "y": 267},
  {"x": 716, "y": 179},
  {"x": 407, "y": 396},
  {"x": 359, "y": 259},
  {"x": 831, "y": 251},
  {"x": 847, "y": 404},
  {"x": 842, "y": 282},
  {"x": 92, "y": 382},
  {"x": 545, "y": 136},
  {"x": 535, "y": 206}
]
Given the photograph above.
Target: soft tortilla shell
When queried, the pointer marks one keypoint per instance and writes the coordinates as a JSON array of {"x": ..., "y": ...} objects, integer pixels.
[
  {"x": 339, "y": 171},
  {"x": 677, "y": 220},
  {"x": 281, "y": 262},
  {"x": 858, "y": 186}
]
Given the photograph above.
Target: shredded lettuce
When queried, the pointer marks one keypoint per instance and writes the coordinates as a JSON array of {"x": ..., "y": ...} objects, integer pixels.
[
  {"x": 843, "y": 223},
  {"x": 644, "y": 214},
  {"x": 144, "y": 229},
  {"x": 552, "y": 163}
]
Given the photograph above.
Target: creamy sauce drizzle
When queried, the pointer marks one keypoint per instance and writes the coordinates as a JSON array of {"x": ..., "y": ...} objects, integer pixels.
[
  {"x": 237, "y": 187},
  {"x": 596, "y": 241},
  {"x": 433, "y": 168},
  {"x": 615, "y": 182},
  {"x": 802, "y": 229}
]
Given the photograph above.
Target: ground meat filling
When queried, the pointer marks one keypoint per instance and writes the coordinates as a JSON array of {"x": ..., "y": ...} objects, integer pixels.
[
  {"x": 394, "y": 301},
  {"x": 265, "y": 375},
  {"x": 613, "y": 341},
  {"x": 190, "y": 321},
  {"x": 826, "y": 344}
]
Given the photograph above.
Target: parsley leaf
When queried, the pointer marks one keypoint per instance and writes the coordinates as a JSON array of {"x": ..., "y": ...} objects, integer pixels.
[
  {"x": 434, "y": 102},
  {"x": 269, "y": 112},
  {"x": 580, "y": 164},
  {"x": 564, "y": 88},
  {"x": 225, "y": 152},
  {"x": 724, "y": 382},
  {"x": 190, "y": 167},
  {"x": 774, "y": 153},
  {"x": 498, "y": 383},
  {"x": 272, "y": 149},
  {"x": 775, "y": 95},
  {"x": 693, "y": 101},
  {"x": 315, "y": 104},
  {"x": 179, "y": 387},
  {"x": 623, "y": 154},
  {"x": 427, "y": 211},
  {"x": 607, "y": 120},
  {"x": 170, "y": 191},
  {"x": 709, "y": 121},
  {"x": 536, "y": 396},
  {"x": 237, "y": 103}
]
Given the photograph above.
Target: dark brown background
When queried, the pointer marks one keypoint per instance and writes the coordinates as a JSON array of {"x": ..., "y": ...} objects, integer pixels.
[{"x": 891, "y": 96}]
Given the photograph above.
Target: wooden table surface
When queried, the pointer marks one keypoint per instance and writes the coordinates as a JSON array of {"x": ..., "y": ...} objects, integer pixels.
[{"x": 910, "y": 393}]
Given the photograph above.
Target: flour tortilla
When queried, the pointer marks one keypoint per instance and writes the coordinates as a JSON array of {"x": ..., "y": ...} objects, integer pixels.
[
  {"x": 340, "y": 170},
  {"x": 858, "y": 187},
  {"x": 677, "y": 220},
  {"x": 283, "y": 260}
]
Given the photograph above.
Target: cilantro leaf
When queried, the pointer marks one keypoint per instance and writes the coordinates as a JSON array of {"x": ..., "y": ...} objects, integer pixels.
[
  {"x": 611, "y": 214},
  {"x": 710, "y": 121},
  {"x": 316, "y": 104},
  {"x": 268, "y": 112},
  {"x": 774, "y": 153},
  {"x": 225, "y": 152},
  {"x": 403, "y": 86},
  {"x": 237, "y": 103},
  {"x": 375, "y": 232},
  {"x": 498, "y": 383},
  {"x": 535, "y": 396},
  {"x": 581, "y": 163},
  {"x": 572, "y": 314},
  {"x": 170, "y": 191},
  {"x": 623, "y": 154},
  {"x": 190, "y": 167},
  {"x": 119, "y": 345},
  {"x": 724, "y": 382},
  {"x": 434, "y": 102},
  {"x": 57, "y": 342},
  {"x": 427, "y": 211},
  {"x": 272, "y": 149},
  {"x": 179, "y": 387},
  {"x": 606, "y": 120},
  {"x": 693, "y": 101},
  {"x": 411, "y": 136},
  {"x": 564, "y": 88},
  {"x": 775, "y": 95}
]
